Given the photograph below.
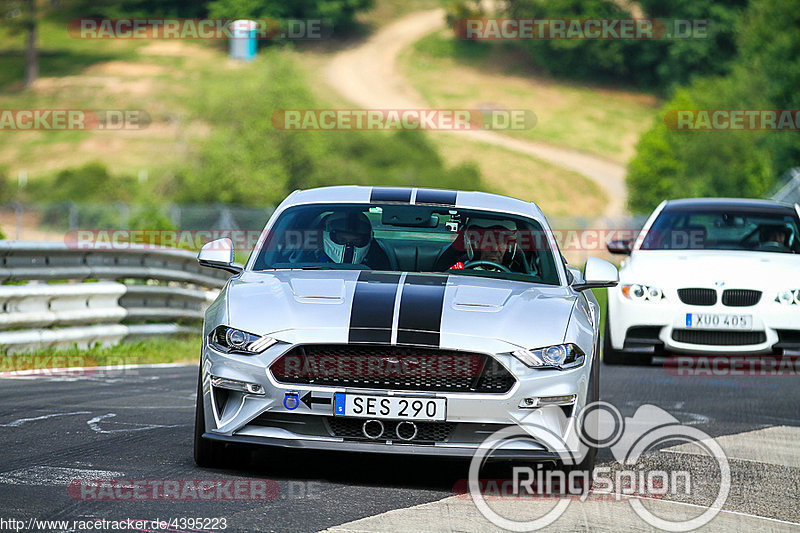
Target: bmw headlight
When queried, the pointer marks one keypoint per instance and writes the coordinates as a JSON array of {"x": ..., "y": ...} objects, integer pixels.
[
  {"x": 232, "y": 340},
  {"x": 789, "y": 297},
  {"x": 560, "y": 356},
  {"x": 642, "y": 293}
]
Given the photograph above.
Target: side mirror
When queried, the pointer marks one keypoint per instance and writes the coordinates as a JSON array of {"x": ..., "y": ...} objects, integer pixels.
[
  {"x": 620, "y": 246},
  {"x": 219, "y": 254},
  {"x": 597, "y": 274}
]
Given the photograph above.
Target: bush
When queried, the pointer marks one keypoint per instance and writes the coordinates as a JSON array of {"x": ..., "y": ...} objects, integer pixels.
[
  {"x": 91, "y": 182},
  {"x": 340, "y": 13},
  {"x": 678, "y": 164},
  {"x": 245, "y": 160}
]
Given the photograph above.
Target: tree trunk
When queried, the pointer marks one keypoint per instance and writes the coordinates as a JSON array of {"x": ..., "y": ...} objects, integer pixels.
[{"x": 31, "y": 53}]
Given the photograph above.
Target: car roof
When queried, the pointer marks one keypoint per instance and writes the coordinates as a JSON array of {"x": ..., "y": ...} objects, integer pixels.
[
  {"x": 415, "y": 196},
  {"x": 743, "y": 204}
]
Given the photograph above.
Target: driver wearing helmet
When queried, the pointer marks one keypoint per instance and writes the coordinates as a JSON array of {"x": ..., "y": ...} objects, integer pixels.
[
  {"x": 489, "y": 245},
  {"x": 346, "y": 237}
]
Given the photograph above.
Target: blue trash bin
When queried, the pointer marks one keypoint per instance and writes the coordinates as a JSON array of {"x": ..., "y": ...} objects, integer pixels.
[{"x": 243, "y": 40}]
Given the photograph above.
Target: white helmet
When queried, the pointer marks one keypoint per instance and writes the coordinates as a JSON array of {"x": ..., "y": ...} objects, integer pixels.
[
  {"x": 474, "y": 232},
  {"x": 347, "y": 236}
]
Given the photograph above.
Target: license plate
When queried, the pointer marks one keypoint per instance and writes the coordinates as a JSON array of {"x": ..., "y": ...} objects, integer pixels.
[
  {"x": 718, "y": 321},
  {"x": 395, "y": 407}
]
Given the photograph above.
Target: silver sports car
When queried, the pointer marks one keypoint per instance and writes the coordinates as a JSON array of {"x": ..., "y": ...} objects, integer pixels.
[{"x": 396, "y": 320}]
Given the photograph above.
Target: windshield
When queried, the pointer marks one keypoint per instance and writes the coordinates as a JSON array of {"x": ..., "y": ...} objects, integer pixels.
[
  {"x": 409, "y": 238},
  {"x": 724, "y": 229}
]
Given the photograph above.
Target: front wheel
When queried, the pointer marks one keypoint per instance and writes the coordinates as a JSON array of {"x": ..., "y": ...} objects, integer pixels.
[
  {"x": 586, "y": 466},
  {"x": 207, "y": 453}
]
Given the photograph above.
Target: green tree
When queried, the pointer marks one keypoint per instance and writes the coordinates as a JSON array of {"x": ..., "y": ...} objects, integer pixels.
[
  {"x": 670, "y": 163},
  {"x": 340, "y": 13},
  {"x": 21, "y": 17},
  {"x": 658, "y": 64}
]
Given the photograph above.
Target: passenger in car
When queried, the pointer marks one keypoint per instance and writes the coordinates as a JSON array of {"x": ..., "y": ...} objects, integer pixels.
[
  {"x": 347, "y": 238},
  {"x": 484, "y": 245}
]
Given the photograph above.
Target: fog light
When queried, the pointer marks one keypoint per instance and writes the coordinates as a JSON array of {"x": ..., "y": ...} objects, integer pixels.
[
  {"x": 557, "y": 400},
  {"x": 239, "y": 386},
  {"x": 529, "y": 403}
]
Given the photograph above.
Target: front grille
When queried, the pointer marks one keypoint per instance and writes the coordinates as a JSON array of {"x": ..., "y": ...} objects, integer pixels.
[
  {"x": 740, "y": 297},
  {"x": 698, "y": 296},
  {"x": 350, "y": 428},
  {"x": 719, "y": 338},
  {"x": 392, "y": 367}
]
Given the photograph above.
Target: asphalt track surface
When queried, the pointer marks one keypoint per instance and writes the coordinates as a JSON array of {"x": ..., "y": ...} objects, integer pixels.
[{"x": 137, "y": 424}]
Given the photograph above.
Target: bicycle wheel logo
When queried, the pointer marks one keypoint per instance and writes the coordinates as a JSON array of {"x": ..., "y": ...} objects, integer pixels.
[{"x": 598, "y": 425}]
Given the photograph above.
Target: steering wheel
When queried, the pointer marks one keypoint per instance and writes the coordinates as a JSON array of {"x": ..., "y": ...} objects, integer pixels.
[
  {"x": 498, "y": 266},
  {"x": 772, "y": 246}
]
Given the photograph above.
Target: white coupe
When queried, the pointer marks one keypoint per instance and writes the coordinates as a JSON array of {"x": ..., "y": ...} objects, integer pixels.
[{"x": 708, "y": 276}]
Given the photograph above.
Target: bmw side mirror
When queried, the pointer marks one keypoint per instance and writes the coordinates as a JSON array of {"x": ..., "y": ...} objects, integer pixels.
[
  {"x": 219, "y": 254},
  {"x": 597, "y": 274},
  {"x": 620, "y": 246}
]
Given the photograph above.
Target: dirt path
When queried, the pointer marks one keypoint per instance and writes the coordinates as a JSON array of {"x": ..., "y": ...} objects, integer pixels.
[{"x": 368, "y": 76}]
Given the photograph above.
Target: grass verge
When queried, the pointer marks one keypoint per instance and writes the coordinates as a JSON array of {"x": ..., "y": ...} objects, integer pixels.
[
  {"x": 557, "y": 191},
  {"x": 183, "y": 349},
  {"x": 451, "y": 73}
]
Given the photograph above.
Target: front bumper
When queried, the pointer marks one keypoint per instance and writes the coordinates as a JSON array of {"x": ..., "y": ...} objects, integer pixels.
[
  {"x": 661, "y": 327},
  {"x": 267, "y": 419}
]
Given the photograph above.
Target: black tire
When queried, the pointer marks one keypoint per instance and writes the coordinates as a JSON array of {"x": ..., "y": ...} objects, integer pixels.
[
  {"x": 618, "y": 357},
  {"x": 207, "y": 453},
  {"x": 593, "y": 395}
]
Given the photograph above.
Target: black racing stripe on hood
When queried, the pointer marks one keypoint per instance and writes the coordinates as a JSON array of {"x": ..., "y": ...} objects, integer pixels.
[
  {"x": 390, "y": 194},
  {"x": 426, "y": 196},
  {"x": 373, "y": 307},
  {"x": 421, "y": 304}
]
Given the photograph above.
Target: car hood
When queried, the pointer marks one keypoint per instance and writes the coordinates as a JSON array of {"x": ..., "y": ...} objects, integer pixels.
[
  {"x": 322, "y": 306},
  {"x": 733, "y": 269}
]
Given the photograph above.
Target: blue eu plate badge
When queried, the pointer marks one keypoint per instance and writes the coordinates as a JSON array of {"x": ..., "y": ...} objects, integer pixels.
[{"x": 338, "y": 403}]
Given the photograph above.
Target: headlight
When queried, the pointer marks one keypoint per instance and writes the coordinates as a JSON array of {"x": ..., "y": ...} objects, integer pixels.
[
  {"x": 789, "y": 297},
  {"x": 231, "y": 340},
  {"x": 561, "y": 356},
  {"x": 642, "y": 293}
]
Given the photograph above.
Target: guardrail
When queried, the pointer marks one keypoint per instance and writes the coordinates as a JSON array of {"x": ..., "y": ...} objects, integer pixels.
[{"x": 99, "y": 295}]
